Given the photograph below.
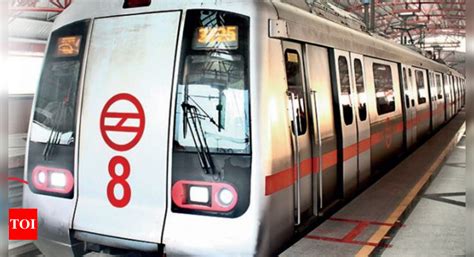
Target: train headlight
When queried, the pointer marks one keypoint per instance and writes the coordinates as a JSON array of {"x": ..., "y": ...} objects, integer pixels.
[
  {"x": 226, "y": 197},
  {"x": 199, "y": 194},
  {"x": 42, "y": 177},
  {"x": 58, "y": 179},
  {"x": 53, "y": 180},
  {"x": 204, "y": 196}
]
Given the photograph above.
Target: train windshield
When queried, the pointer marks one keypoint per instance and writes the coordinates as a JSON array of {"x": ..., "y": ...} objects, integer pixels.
[
  {"x": 55, "y": 106},
  {"x": 212, "y": 108}
]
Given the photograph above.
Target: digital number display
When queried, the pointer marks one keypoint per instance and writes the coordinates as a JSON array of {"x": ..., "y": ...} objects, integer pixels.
[
  {"x": 68, "y": 46},
  {"x": 292, "y": 57},
  {"x": 221, "y": 37}
]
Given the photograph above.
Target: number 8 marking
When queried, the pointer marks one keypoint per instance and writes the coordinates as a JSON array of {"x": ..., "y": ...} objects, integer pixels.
[{"x": 121, "y": 180}]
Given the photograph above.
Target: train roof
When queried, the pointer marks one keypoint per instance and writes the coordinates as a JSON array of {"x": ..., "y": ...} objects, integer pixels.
[{"x": 302, "y": 23}]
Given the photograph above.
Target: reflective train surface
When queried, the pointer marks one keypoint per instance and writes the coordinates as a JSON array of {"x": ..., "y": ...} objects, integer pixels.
[{"x": 216, "y": 128}]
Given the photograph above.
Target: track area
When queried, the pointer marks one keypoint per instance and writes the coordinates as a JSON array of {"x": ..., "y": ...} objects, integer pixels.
[{"x": 367, "y": 224}]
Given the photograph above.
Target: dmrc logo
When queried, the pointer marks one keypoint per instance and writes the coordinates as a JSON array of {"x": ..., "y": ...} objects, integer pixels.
[{"x": 23, "y": 224}]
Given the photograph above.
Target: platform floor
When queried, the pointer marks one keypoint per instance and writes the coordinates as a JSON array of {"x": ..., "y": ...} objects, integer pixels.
[{"x": 417, "y": 209}]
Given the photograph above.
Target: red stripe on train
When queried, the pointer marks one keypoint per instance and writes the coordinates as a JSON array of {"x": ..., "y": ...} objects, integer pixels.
[{"x": 285, "y": 178}]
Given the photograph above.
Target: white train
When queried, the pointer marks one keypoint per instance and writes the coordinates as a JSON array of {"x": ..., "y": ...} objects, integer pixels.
[{"x": 216, "y": 128}]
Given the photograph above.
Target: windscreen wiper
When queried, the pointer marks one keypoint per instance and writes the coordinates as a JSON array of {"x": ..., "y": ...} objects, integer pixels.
[
  {"x": 55, "y": 135},
  {"x": 193, "y": 121},
  {"x": 204, "y": 113}
]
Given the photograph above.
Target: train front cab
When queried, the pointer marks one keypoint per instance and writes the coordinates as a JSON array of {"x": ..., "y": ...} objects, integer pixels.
[{"x": 134, "y": 147}]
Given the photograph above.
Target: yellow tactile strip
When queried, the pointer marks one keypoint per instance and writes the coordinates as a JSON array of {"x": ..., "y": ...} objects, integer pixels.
[{"x": 378, "y": 236}]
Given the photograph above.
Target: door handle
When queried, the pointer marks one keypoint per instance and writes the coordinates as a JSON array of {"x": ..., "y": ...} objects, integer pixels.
[
  {"x": 296, "y": 158},
  {"x": 314, "y": 95}
]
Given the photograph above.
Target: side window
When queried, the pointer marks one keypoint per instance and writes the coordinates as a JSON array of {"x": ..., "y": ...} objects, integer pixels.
[
  {"x": 439, "y": 86},
  {"x": 432, "y": 86},
  {"x": 344, "y": 83},
  {"x": 359, "y": 79},
  {"x": 405, "y": 86},
  {"x": 383, "y": 83},
  {"x": 410, "y": 77},
  {"x": 420, "y": 85},
  {"x": 295, "y": 86}
]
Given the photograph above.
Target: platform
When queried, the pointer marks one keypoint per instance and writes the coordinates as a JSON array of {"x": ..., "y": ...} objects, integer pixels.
[{"x": 416, "y": 209}]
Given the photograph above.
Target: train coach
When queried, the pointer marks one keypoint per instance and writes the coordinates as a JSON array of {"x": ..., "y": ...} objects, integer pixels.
[{"x": 216, "y": 128}]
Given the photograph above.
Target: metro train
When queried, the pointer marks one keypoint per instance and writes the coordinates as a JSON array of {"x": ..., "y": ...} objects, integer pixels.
[{"x": 216, "y": 128}]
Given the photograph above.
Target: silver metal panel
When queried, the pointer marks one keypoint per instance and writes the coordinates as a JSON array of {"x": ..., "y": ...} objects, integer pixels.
[
  {"x": 349, "y": 131},
  {"x": 278, "y": 28},
  {"x": 130, "y": 55}
]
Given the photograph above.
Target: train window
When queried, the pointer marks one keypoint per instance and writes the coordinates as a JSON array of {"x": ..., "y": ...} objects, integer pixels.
[
  {"x": 213, "y": 101},
  {"x": 405, "y": 86},
  {"x": 420, "y": 84},
  {"x": 295, "y": 85},
  {"x": 345, "y": 86},
  {"x": 439, "y": 86},
  {"x": 432, "y": 86},
  {"x": 359, "y": 79},
  {"x": 55, "y": 109},
  {"x": 383, "y": 83},
  {"x": 410, "y": 78}
]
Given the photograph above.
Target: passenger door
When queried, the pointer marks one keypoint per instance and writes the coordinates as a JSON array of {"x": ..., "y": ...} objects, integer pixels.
[
  {"x": 433, "y": 99},
  {"x": 423, "y": 119},
  {"x": 301, "y": 140},
  {"x": 447, "y": 97},
  {"x": 413, "y": 93},
  {"x": 440, "y": 113},
  {"x": 410, "y": 109},
  {"x": 362, "y": 117},
  {"x": 348, "y": 146},
  {"x": 326, "y": 182},
  {"x": 123, "y": 140}
]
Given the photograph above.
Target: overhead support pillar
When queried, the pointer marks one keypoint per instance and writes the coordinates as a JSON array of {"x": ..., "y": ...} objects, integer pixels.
[
  {"x": 372, "y": 15},
  {"x": 366, "y": 14}
]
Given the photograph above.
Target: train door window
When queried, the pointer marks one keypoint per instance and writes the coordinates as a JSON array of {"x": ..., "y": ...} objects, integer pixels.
[
  {"x": 410, "y": 76},
  {"x": 359, "y": 79},
  {"x": 439, "y": 86},
  {"x": 345, "y": 86},
  {"x": 420, "y": 84},
  {"x": 432, "y": 86},
  {"x": 295, "y": 85},
  {"x": 383, "y": 83},
  {"x": 405, "y": 87}
]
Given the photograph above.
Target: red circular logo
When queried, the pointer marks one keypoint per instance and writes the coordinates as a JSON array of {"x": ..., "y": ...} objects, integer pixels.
[{"x": 122, "y": 122}]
